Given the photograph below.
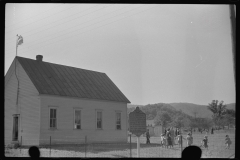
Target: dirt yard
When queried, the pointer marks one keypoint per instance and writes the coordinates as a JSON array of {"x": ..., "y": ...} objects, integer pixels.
[{"x": 216, "y": 148}]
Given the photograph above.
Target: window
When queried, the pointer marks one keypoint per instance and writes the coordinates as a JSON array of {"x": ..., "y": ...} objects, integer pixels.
[
  {"x": 15, "y": 128},
  {"x": 77, "y": 119},
  {"x": 53, "y": 118},
  {"x": 118, "y": 121},
  {"x": 99, "y": 120}
]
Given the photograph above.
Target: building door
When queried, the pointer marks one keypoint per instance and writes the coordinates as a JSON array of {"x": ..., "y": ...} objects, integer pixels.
[{"x": 15, "y": 128}]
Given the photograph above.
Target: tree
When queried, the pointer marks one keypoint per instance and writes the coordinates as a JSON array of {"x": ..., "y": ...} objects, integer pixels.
[
  {"x": 178, "y": 121},
  {"x": 186, "y": 122},
  {"x": 231, "y": 112},
  {"x": 195, "y": 113},
  {"x": 204, "y": 123},
  {"x": 218, "y": 110},
  {"x": 228, "y": 118},
  {"x": 162, "y": 118},
  {"x": 207, "y": 123},
  {"x": 193, "y": 124}
]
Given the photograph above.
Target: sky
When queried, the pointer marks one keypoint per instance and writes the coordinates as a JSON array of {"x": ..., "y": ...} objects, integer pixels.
[{"x": 154, "y": 53}]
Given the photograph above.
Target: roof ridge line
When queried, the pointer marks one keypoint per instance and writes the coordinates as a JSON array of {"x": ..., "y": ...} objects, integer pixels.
[{"x": 61, "y": 65}]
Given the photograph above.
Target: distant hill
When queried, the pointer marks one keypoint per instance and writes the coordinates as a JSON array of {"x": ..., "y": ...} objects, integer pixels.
[
  {"x": 231, "y": 106},
  {"x": 187, "y": 108},
  {"x": 190, "y": 108},
  {"x": 201, "y": 110},
  {"x": 152, "y": 109},
  {"x": 133, "y": 105}
]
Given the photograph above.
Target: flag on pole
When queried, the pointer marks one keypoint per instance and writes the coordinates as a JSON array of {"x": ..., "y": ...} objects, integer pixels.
[{"x": 20, "y": 40}]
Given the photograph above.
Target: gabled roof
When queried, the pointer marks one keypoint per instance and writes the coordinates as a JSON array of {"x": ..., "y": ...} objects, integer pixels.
[{"x": 55, "y": 79}]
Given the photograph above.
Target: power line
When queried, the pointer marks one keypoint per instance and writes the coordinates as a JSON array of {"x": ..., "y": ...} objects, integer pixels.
[
  {"x": 89, "y": 30},
  {"x": 97, "y": 27},
  {"x": 40, "y": 19},
  {"x": 92, "y": 29},
  {"x": 80, "y": 24},
  {"x": 31, "y": 17},
  {"x": 114, "y": 21},
  {"x": 61, "y": 19},
  {"x": 75, "y": 26},
  {"x": 41, "y": 31},
  {"x": 83, "y": 27}
]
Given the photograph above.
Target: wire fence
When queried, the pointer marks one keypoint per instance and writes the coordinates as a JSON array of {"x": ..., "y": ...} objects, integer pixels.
[{"x": 83, "y": 147}]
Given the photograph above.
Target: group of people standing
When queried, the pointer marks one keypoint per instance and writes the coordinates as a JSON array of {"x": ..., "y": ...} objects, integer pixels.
[
  {"x": 169, "y": 136},
  {"x": 201, "y": 130},
  {"x": 169, "y": 133}
]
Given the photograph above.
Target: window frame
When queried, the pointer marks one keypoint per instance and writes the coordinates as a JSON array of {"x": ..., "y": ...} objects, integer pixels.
[
  {"x": 15, "y": 126},
  {"x": 74, "y": 111},
  {"x": 49, "y": 125},
  {"x": 96, "y": 119},
  {"x": 116, "y": 120}
]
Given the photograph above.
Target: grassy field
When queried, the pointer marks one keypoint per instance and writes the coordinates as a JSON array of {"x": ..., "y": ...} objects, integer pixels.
[
  {"x": 216, "y": 148},
  {"x": 216, "y": 145}
]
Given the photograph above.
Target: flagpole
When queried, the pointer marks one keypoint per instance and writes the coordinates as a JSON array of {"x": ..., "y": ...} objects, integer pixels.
[
  {"x": 18, "y": 109},
  {"x": 19, "y": 42},
  {"x": 16, "y": 70},
  {"x": 16, "y": 45}
]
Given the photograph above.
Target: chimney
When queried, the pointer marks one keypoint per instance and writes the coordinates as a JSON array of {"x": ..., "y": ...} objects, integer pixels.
[{"x": 39, "y": 58}]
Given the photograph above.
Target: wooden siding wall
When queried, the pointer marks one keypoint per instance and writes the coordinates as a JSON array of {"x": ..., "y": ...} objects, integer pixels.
[
  {"x": 151, "y": 130},
  {"x": 65, "y": 133},
  {"x": 28, "y": 107},
  {"x": 158, "y": 131}
]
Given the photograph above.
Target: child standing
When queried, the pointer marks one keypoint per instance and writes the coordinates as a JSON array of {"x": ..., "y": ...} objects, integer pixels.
[
  {"x": 205, "y": 142},
  {"x": 148, "y": 137},
  {"x": 163, "y": 140},
  {"x": 228, "y": 142},
  {"x": 179, "y": 139},
  {"x": 189, "y": 139},
  {"x": 169, "y": 139}
]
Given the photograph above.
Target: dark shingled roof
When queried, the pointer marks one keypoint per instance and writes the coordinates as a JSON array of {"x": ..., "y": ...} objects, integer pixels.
[{"x": 55, "y": 79}]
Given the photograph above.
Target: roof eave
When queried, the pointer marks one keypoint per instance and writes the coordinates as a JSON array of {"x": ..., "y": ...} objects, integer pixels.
[{"x": 59, "y": 96}]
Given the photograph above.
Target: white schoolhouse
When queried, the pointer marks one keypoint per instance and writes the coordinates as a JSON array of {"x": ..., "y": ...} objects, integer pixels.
[{"x": 43, "y": 99}]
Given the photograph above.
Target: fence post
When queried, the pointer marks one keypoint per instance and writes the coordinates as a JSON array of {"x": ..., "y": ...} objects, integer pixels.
[
  {"x": 50, "y": 146},
  {"x": 138, "y": 146},
  {"x": 130, "y": 147},
  {"x": 85, "y": 146},
  {"x": 21, "y": 145}
]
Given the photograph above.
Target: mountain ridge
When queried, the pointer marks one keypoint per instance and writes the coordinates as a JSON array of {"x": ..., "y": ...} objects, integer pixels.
[{"x": 187, "y": 108}]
